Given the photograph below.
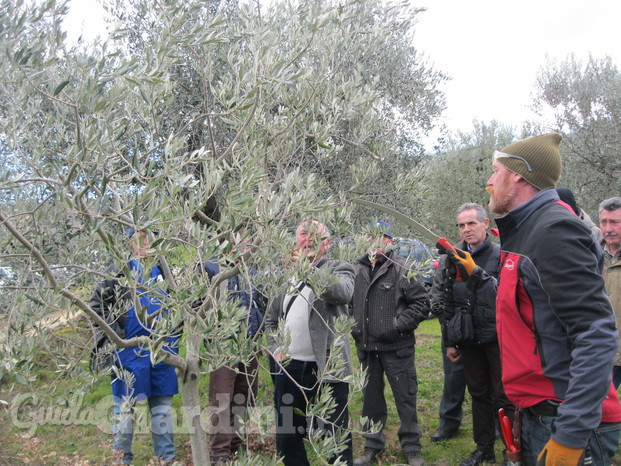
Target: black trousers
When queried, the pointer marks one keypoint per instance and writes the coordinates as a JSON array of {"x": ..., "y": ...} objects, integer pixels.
[
  {"x": 292, "y": 427},
  {"x": 484, "y": 380},
  {"x": 401, "y": 373}
]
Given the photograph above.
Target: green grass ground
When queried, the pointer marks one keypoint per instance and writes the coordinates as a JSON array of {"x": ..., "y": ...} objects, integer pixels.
[{"x": 71, "y": 439}]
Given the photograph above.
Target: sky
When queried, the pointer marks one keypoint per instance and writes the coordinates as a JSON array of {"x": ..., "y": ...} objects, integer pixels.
[{"x": 491, "y": 49}]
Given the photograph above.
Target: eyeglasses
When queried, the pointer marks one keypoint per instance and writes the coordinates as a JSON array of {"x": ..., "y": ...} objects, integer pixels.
[{"x": 498, "y": 155}]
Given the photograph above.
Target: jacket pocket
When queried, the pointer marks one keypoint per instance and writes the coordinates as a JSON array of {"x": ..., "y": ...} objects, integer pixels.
[{"x": 389, "y": 335}]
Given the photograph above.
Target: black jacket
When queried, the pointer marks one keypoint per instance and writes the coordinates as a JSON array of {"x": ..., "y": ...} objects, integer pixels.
[
  {"x": 388, "y": 307},
  {"x": 111, "y": 301},
  {"x": 457, "y": 295}
]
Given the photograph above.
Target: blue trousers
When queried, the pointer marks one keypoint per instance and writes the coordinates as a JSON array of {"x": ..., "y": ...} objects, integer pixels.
[
  {"x": 161, "y": 427},
  {"x": 536, "y": 432},
  {"x": 290, "y": 400}
]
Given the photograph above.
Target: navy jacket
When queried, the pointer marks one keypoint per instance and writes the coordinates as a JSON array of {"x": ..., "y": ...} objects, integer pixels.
[{"x": 248, "y": 296}]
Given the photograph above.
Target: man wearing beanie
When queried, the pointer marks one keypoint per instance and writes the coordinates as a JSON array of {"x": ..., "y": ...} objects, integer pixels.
[{"x": 556, "y": 327}]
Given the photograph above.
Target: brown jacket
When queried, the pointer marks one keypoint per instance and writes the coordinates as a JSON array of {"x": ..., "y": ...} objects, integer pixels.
[{"x": 612, "y": 277}]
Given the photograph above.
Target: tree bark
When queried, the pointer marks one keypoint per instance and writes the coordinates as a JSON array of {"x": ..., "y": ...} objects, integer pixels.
[{"x": 190, "y": 397}]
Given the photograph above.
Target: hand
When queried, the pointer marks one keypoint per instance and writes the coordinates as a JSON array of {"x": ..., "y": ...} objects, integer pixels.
[
  {"x": 555, "y": 454},
  {"x": 443, "y": 245},
  {"x": 293, "y": 259},
  {"x": 453, "y": 354},
  {"x": 463, "y": 263}
]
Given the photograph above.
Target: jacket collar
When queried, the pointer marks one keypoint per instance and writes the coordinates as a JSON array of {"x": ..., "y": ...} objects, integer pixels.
[
  {"x": 320, "y": 263},
  {"x": 484, "y": 245},
  {"x": 365, "y": 259},
  {"x": 614, "y": 258}
]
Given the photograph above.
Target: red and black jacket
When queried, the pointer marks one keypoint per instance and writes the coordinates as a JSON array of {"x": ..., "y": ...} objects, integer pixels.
[{"x": 556, "y": 327}]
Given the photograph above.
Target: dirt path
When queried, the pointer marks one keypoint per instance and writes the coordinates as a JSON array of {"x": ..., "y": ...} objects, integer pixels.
[{"x": 52, "y": 321}]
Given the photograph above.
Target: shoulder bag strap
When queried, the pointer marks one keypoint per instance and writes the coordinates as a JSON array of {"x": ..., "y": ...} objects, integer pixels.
[{"x": 293, "y": 298}]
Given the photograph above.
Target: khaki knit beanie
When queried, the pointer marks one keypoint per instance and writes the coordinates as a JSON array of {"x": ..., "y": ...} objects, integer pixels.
[{"x": 537, "y": 159}]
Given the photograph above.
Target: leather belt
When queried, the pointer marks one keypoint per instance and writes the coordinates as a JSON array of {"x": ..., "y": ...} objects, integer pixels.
[{"x": 545, "y": 408}]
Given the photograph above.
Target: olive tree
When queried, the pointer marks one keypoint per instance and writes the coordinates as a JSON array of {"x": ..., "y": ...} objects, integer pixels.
[
  {"x": 458, "y": 172},
  {"x": 323, "y": 128},
  {"x": 203, "y": 121},
  {"x": 584, "y": 98}
]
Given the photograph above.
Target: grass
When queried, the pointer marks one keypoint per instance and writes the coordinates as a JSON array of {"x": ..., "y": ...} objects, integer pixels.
[{"x": 68, "y": 442}]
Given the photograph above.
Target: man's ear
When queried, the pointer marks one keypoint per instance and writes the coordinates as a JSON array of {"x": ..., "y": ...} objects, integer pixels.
[
  {"x": 516, "y": 176},
  {"x": 486, "y": 222}
]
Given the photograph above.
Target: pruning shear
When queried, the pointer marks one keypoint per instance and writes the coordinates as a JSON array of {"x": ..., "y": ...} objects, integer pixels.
[
  {"x": 512, "y": 437},
  {"x": 443, "y": 245}
]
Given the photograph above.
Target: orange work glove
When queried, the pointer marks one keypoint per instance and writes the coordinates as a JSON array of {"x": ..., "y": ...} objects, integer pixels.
[
  {"x": 555, "y": 454},
  {"x": 463, "y": 262}
]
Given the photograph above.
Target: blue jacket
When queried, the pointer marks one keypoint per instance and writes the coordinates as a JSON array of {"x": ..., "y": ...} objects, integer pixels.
[
  {"x": 110, "y": 300},
  {"x": 248, "y": 296}
]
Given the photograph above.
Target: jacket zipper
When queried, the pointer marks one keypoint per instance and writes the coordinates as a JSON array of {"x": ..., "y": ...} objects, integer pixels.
[{"x": 538, "y": 349}]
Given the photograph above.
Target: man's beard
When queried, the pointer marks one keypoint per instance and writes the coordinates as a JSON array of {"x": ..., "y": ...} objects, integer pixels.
[{"x": 500, "y": 201}]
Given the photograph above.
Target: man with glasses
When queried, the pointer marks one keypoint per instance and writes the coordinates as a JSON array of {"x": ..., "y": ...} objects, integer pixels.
[{"x": 233, "y": 388}]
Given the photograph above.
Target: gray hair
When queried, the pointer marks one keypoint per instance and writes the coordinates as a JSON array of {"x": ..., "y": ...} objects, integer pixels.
[
  {"x": 611, "y": 204},
  {"x": 325, "y": 233},
  {"x": 481, "y": 213}
]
